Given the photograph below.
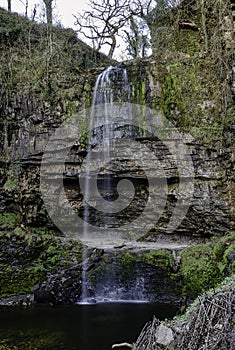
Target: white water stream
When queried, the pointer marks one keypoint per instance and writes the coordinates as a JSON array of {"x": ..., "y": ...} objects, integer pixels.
[{"x": 111, "y": 85}]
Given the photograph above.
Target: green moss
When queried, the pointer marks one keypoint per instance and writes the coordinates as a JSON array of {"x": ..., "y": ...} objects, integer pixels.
[
  {"x": 142, "y": 93},
  {"x": 16, "y": 281},
  {"x": 138, "y": 90},
  {"x": 199, "y": 269},
  {"x": 159, "y": 258},
  {"x": 31, "y": 256},
  {"x": 11, "y": 184},
  {"x": 127, "y": 261},
  {"x": 133, "y": 92},
  {"x": 59, "y": 256},
  {"x": 191, "y": 96},
  {"x": 9, "y": 221},
  {"x": 172, "y": 100}
]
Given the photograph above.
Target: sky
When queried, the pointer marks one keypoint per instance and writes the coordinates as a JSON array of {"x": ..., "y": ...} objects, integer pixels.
[{"x": 64, "y": 9}]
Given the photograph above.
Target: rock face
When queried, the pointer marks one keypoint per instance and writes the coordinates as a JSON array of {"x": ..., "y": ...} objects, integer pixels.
[
  {"x": 183, "y": 85},
  {"x": 115, "y": 275},
  {"x": 28, "y": 125}
]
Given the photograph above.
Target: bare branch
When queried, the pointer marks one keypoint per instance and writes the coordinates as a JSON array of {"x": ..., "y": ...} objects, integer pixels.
[{"x": 105, "y": 19}]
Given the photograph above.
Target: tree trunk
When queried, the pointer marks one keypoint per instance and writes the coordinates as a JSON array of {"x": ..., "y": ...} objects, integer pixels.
[
  {"x": 9, "y": 5},
  {"x": 48, "y": 4},
  {"x": 113, "y": 46},
  {"x": 26, "y": 8},
  {"x": 203, "y": 14}
]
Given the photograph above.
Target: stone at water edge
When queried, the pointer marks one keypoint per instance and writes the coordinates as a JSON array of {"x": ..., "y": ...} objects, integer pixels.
[{"x": 164, "y": 336}]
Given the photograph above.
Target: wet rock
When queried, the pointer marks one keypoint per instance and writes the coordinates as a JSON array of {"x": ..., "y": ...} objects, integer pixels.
[
  {"x": 107, "y": 258},
  {"x": 64, "y": 287},
  {"x": 19, "y": 300}
]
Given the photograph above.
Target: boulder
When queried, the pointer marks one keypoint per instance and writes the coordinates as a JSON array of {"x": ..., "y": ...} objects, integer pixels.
[{"x": 164, "y": 336}]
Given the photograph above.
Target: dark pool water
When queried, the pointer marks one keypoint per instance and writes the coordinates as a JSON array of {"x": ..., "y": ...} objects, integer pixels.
[{"x": 80, "y": 327}]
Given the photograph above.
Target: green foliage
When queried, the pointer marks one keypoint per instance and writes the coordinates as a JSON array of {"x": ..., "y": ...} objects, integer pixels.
[
  {"x": 199, "y": 269},
  {"x": 9, "y": 221},
  {"x": 159, "y": 258},
  {"x": 11, "y": 184},
  {"x": 193, "y": 66},
  {"x": 13, "y": 28},
  {"x": 127, "y": 261},
  {"x": 33, "y": 63}
]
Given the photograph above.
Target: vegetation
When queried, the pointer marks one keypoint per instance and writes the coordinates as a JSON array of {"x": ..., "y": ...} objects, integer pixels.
[
  {"x": 159, "y": 258},
  {"x": 199, "y": 269},
  {"x": 104, "y": 22},
  {"x": 127, "y": 261},
  {"x": 193, "y": 51},
  {"x": 191, "y": 64},
  {"x": 9, "y": 221},
  {"x": 33, "y": 253},
  {"x": 32, "y": 62},
  {"x": 204, "y": 266}
]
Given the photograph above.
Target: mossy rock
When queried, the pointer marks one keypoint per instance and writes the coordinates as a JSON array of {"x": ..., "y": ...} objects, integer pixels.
[
  {"x": 95, "y": 274},
  {"x": 26, "y": 258},
  {"x": 16, "y": 281},
  {"x": 127, "y": 262},
  {"x": 199, "y": 269},
  {"x": 159, "y": 259}
]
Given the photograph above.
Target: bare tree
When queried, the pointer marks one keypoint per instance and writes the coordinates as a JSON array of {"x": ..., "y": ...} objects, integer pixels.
[
  {"x": 9, "y": 5},
  {"x": 48, "y": 5},
  {"x": 26, "y": 7},
  {"x": 105, "y": 19},
  {"x": 137, "y": 39}
]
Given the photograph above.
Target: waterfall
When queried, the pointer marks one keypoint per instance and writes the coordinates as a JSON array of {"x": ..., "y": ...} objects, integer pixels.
[{"x": 111, "y": 86}]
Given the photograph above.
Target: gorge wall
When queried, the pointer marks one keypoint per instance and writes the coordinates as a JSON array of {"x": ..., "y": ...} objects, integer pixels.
[{"x": 188, "y": 83}]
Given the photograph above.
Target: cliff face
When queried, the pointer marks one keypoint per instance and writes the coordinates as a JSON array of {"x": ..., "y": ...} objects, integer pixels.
[
  {"x": 37, "y": 95},
  {"x": 45, "y": 82}
]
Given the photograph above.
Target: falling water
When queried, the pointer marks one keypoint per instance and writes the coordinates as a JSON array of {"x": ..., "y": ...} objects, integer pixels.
[{"x": 111, "y": 86}]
